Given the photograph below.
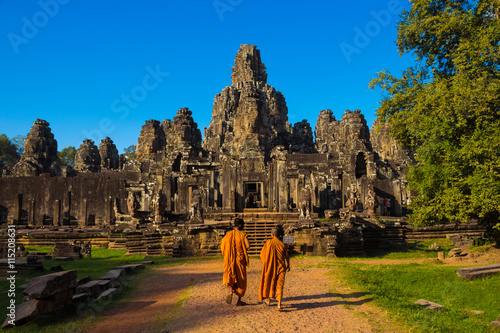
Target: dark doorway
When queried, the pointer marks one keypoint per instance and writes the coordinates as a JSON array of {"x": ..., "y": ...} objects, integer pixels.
[
  {"x": 252, "y": 194},
  {"x": 4, "y": 214},
  {"x": 360, "y": 165}
]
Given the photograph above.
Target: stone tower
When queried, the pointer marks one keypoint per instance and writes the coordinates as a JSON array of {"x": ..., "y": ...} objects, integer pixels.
[
  {"x": 249, "y": 115},
  {"x": 151, "y": 141},
  {"x": 109, "y": 155},
  {"x": 87, "y": 157},
  {"x": 40, "y": 152},
  {"x": 182, "y": 134}
]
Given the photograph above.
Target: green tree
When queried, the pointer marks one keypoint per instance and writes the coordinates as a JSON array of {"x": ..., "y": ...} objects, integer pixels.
[
  {"x": 129, "y": 154},
  {"x": 18, "y": 140},
  {"x": 446, "y": 109},
  {"x": 8, "y": 153},
  {"x": 67, "y": 156}
]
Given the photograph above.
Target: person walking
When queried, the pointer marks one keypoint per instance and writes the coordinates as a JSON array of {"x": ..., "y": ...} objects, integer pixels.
[
  {"x": 275, "y": 264},
  {"x": 234, "y": 247}
]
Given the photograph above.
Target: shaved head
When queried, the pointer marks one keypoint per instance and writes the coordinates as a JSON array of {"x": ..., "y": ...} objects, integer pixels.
[{"x": 275, "y": 232}]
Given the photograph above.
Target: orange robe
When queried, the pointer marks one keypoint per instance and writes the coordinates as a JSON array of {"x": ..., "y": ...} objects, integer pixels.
[
  {"x": 235, "y": 261},
  {"x": 272, "y": 278}
]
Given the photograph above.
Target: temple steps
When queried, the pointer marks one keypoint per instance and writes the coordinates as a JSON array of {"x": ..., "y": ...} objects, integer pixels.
[{"x": 258, "y": 231}]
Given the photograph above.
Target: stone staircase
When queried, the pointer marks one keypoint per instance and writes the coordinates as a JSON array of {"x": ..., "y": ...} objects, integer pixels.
[
  {"x": 375, "y": 239},
  {"x": 259, "y": 231},
  {"x": 259, "y": 223}
]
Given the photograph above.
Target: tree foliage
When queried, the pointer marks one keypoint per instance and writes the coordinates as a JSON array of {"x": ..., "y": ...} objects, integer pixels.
[
  {"x": 8, "y": 153},
  {"x": 129, "y": 154},
  {"x": 446, "y": 108},
  {"x": 67, "y": 156},
  {"x": 18, "y": 140}
]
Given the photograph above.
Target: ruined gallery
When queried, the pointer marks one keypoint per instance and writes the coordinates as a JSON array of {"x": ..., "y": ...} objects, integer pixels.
[{"x": 182, "y": 192}]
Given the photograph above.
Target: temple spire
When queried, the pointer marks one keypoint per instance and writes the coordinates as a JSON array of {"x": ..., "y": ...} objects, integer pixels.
[{"x": 248, "y": 65}]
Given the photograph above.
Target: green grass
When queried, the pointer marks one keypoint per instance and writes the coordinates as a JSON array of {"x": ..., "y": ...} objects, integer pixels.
[
  {"x": 396, "y": 287},
  {"x": 411, "y": 250},
  {"x": 102, "y": 261}
]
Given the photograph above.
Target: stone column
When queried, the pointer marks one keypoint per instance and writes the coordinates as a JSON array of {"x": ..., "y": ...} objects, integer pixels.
[
  {"x": 279, "y": 155},
  {"x": 56, "y": 220},
  {"x": 83, "y": 221},
  {"x": 396, "y": 209},
  {"x": 18, "y": 206},
  {"x": 282, "y": 186},
  {"x": 68, "y": 202},
  {"x": 31, "y": 213},
  {"x": 108, "y": 210}
]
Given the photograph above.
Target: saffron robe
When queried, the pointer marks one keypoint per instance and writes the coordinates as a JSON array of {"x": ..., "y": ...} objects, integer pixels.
[
  {"x": 272, "y": 279},
  {"x": 235, "y": 261}
]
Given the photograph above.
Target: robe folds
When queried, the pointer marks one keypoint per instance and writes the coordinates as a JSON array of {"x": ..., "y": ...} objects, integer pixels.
[
  {"x": 272, "y": 278},
  {"x": 235, "y": 261}
]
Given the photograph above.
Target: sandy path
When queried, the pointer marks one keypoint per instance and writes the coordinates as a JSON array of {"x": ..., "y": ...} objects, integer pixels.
[{"x": 313, "y": 302}]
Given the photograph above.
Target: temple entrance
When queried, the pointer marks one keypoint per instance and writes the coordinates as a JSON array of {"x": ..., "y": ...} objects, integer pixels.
[
  {"x": 360, "y": 165},
  {"x": 252, "y": 194}
]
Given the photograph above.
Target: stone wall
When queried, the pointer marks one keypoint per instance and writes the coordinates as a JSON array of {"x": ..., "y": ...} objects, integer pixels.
[{"x": 84, "y": 200}]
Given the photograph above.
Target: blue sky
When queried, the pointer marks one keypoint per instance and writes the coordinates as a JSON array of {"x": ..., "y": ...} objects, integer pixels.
[{"x": 102, "y": 68}]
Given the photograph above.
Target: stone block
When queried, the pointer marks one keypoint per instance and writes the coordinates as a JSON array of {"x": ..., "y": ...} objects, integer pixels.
[
  {"x": 476, "y": 312},
  {"x": 84, "y": 280},
  {"x": 104, "y": 284},
  {"x": 51, "y": 284},
  {"x": 56, "y": 268},
  {"x": 456, "y": 252},
  {"x": 63, "y": 258},
  {"x": 91, "y": 288},
  {"x": 470, "y": 273},
  {"x": 54, "y": 302},
  {"x": 430, "y": 305},
  {"x": 24, "y": 312},
  {"x": 107, "y": 293},
  {"x": 31, "y": 259},
  {"x": 495, "y": 325},
  {"x": 149, "y": 262},
  {"x": 113, "y": 274},
  {"x": 130, "y": 268},
  {"x": 81, "y": 298}
]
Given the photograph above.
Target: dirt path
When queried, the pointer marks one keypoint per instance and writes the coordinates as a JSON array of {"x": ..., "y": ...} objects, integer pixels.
[{"x": 191, "y": 298}]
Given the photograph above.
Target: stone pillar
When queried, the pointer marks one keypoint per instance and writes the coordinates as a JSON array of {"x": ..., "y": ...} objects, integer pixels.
[
  {"x": 31, "y": 213},
  {"x": 69, "y": 208},
  {"x": 279, "y": 155},
  {"x": 239, "y": 190},
  {"x": 83, "y": 221},
  {"x": 396, "y": 209},
  {"x": 272, "y": 200},
  {"x": 167, "y": 189},
  {"x": 282, "y": 183},
  {"x": 232, "y": 186},
  {"x": 56, "y": 220},
  {"x": 108, "y": 209},
  {"x": 18, "y": 208}
]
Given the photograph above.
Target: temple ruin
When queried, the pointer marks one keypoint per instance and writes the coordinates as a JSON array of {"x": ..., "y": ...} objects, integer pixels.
[{"x": 183, "y": 191}]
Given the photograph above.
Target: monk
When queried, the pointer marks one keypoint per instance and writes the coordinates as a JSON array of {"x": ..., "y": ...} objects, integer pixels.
[
  {"x": 275, "y": 263},
  {"x": 234, "y": 247}
]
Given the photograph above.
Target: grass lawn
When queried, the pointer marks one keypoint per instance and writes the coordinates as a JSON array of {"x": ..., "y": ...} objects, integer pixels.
[
  {"x": 74, "y": 318},
  {"x": 395, "y": 287}
]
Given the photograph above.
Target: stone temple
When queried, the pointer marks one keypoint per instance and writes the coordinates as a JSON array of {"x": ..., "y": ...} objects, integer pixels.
[{"x": 182, "y": 192}]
